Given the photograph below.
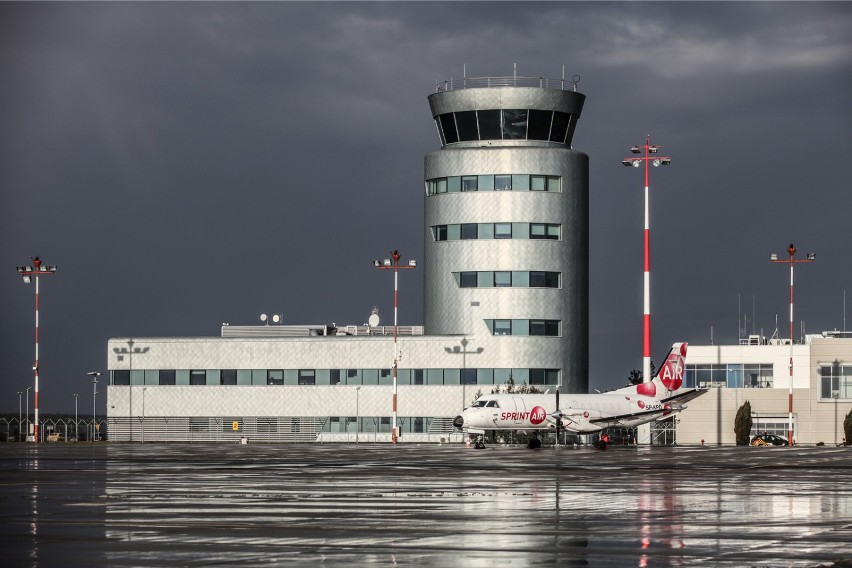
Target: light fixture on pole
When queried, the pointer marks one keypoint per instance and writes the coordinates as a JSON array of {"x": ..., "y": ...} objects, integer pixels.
[
  {"x": 143, "y": 413},
  {"x": 394, "y": 265},
  {"x": 655, "y": 160},
  {"x": 129, "y": 351},
  {"x": 28, "y": 272},
  {"x": 27, "y": 431},
  {"x": 463, "y": 378},
  {"x": 76, "y": 437},
  {"x": 20, "y": 418},
  {"x": 810, "y": 257},
  {"x": 357, "y": 413},
  {"x": 94, "y": 375}
]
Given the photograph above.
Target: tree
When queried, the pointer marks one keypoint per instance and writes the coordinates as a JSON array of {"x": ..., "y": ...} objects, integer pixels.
[
  {"x": 636, "y": 375},
  {"x": 742, "y": 424},
  {"x": 847, "y": 428}
]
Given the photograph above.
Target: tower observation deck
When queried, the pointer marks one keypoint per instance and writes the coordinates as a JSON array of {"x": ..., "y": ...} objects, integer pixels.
[{"x": 507, "y": 223}]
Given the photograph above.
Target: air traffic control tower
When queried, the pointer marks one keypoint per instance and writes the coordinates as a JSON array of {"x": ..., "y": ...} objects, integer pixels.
[{"x": 507, "y": 223}]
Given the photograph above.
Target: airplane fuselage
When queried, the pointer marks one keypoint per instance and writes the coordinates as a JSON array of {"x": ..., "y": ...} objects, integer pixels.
[{"x": 579, "y": 412}]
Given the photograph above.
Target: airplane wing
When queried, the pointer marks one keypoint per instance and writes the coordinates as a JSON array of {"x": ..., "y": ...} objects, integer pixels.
[
  {"x": 676, "y": 403},
  {"x": 684, "y": 396},
  {"x": 618, "y": 419}
]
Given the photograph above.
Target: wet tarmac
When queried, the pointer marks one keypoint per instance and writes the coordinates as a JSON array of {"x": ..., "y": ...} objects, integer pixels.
[{"x": 294, "y": 505}]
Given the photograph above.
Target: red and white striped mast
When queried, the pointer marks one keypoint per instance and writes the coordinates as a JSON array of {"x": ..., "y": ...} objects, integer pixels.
[
  {"x": 636, "y": 162},
  {"x": 791, "y": 250},
  {"x": 394, "y": 265},
  {"x": 28, "y": 272}
]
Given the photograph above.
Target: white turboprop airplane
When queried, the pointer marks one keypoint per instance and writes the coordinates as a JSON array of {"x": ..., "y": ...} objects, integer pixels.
[{"x": 584, "y": 413}]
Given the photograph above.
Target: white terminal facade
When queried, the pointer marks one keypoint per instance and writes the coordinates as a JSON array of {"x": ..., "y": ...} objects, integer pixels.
[{"x": 506, "y": 297}]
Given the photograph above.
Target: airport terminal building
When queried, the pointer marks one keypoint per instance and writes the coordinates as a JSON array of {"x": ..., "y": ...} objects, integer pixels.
[
  {"x": 506, "y": 271},
  {"x": 506, "y": 300},
  {"x": 757, "y": 370}
]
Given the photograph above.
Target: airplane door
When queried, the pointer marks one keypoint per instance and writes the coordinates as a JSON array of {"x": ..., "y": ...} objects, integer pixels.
[{"x": 520, "y": 409}]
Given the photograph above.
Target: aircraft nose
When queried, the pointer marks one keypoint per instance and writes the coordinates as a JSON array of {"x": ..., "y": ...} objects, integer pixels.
[{"x": 458, "y": 422}]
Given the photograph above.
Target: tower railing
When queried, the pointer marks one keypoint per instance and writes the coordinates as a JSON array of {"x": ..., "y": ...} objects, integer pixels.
[{"x": 514, "y": 81}]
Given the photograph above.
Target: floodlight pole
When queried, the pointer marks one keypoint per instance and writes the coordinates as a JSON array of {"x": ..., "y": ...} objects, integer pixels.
[
  {"x": 636, "y": 162},
  {"x": 28, "y": 272},
  {"x": 20, "y": 394},
  {"x": 791, "y": 250},
  {"x": 387, "y": 264},
  {"x": 27, "y": 433},
  {"x": 357, "y": 413},
  {"x": 95, "y": 375}
]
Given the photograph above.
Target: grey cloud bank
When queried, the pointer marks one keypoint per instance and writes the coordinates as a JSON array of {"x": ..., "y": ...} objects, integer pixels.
[{"x": 190, "y": 164}]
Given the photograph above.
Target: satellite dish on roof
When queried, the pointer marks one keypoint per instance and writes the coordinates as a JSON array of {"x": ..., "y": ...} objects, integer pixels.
[
  {"x": 374, "y": 318},
  {"x": 263, "y": 317}
]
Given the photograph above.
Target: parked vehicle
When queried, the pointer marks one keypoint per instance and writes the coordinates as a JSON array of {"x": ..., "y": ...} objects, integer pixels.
[{"x": 769, "y": 440}]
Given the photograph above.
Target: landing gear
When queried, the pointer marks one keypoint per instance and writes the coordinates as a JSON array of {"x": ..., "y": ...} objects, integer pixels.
[
  {"x": 480, "y": 443},
  {"x": 534, "y": 443}
]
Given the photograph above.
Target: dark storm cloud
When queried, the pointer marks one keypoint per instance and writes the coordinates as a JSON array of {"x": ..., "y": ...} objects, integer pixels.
[{"x": 191, "y": 163}]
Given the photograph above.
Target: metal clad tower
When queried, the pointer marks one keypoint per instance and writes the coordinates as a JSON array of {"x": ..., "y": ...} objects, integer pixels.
[{"x": 507, "y": 224}]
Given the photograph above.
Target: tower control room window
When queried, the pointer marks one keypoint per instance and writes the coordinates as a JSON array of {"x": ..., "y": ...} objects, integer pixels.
[
  {"x": 539, "y": 124},
  {"x": 514, "y": 124},
  {"x": 506, "y": 124},
  {"x": 448, "y": 127},
  {"x": 559, "y": 128},
  {"x": 466, "y": 125},
  {"x": 489, "y": 124}
]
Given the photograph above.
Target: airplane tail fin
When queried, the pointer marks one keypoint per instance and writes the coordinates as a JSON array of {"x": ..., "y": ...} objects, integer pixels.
[{"x": 669, "y": 377}]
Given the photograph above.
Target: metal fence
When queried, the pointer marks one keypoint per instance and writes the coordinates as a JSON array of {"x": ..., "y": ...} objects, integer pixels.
[{"x": 52, "y": 430}]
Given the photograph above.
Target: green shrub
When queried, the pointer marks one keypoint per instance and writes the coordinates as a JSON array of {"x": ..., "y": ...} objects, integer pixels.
[{"x": 742, "y": 424}]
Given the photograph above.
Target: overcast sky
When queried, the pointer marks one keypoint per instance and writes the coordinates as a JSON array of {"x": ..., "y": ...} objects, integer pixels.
[{"x": 188, "y": 164}]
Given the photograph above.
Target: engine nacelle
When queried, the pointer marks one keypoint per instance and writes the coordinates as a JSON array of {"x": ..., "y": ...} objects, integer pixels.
[{"x": 579, "y": 421}]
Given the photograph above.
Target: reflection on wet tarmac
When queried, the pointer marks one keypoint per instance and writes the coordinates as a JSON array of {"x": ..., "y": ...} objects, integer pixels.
[{"x": 132, "y": 505}]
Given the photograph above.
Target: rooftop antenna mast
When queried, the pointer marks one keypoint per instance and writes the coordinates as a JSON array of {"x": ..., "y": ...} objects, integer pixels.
[
  {"x": 753, "y": 315},
  {"x": 739, "y": 318}
]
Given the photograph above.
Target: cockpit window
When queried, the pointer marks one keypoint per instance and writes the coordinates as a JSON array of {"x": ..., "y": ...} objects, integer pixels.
[
  {"x": 478, "y": 404},
  {"x": 492, "y": 404}
]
